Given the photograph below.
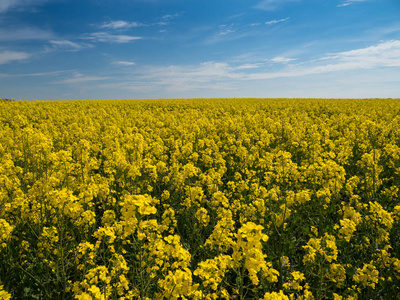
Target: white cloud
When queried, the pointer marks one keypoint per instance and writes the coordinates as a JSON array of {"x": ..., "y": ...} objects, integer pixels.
[
  {"x": 9, "y": 56},
  {"x": 184, "y": 78},
  {"x": 247, "y": 66},
  {"x": 24, "y": 34},
  {"x": 124, "y": 25},
  {"x": 223, "y": 76},
  {"x": 120, "y": 25},
  {"x": 348, "y": 2},
  {"x": 207, "y": 71},
  {"x": 124, "y": 63},
  {"x": 52, "y": 73},
  {"x": 385, "y": 54},
  {"x": 280, "y": 59},
  {"x": 272, "y": 4},
  {"x": 161, "y": 23},
  {"x": 65, "y": 44},
  {"x": 6, "y": 5},
  {"x": 227, "y": 31},
  {"x": 170, "y": 17},
  {"x": 79, "y": 78},
  {"x": 83, "y": 79},
  {"x": 111, "y": 38},
  {"x": 276, "y": 21}
]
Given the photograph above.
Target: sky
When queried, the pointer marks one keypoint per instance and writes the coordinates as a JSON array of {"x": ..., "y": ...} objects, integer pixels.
[{"x": 141, "y": 49}]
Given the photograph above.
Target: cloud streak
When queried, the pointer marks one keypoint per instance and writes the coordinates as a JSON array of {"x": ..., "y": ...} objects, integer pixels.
[
  {"x": 120, "y": 25},
  {"x": 280, "y": 59},
  {"x": 111, "y": 38},
  {"x": 184, "y": 78},
  {"x": 221, "y": 74},
  {"x": 382, "y": 55},
  {"x": 124, "y": 63},
  {"x": 65, "y": 44},
  {"x": 40, "y": 74},
  {"x": 276, "y": 21},
  {"x": 125, "y": 25},
  {"x": 6, "y": 5},
  {"x": 25, "y": 34},
  {"x": 170, "y": 17},
  {"x": 226, "y": 29},
  {"x": 349, "y": 2},
  {"x": 11, "y": 56},
  {"x": 79, "y": 78}
]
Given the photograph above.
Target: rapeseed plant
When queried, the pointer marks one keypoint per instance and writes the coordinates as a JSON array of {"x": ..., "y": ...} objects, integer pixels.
[{"x": 200, "y": 199}]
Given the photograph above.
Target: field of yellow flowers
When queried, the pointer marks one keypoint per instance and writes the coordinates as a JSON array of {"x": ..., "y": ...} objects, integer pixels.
[{"x": 200, "y": 199}]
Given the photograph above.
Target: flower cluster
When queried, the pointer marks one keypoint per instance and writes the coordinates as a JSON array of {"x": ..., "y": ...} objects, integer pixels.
[{"x": 200, "y": 199}]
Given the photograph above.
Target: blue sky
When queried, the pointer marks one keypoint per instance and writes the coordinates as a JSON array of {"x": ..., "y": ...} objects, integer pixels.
[{"x": 130, "y": 49}]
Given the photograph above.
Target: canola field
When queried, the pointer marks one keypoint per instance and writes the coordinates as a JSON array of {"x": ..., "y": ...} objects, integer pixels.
[{"x": 200, "y": 199}]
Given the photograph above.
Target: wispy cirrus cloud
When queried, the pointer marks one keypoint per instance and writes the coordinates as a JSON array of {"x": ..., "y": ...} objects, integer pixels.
[
  {"x": 124, "y": 25},
  {"x": 248, "y": 66},
  {"x": 120, "y": 24},
  {"x": 349, "y": 2},
  {"x": 229, "y": 75},
  {"x": 79, "y": 78},
  {"x": 6, "y": 5},
  {"x": 281, "y": 59},
  {"x": 110, "y": 38},
  {"x": 185, "y": 77},
  {"x": 124, "y": 63},
  {"x": 222, "y": 77},
  {"x": 226, "y": 29},
  {"x": 24, "y": 34},
  {"x": 170, "y": 17},
  {"x": 383, "y": 55},
  {"x": 11, "y": 56},
  {"x": 276, "y": 21},
  {"x": 39, "y": 74},
  {"x": 66, "y": 44},
  {"x": 236, "y": 31}
]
